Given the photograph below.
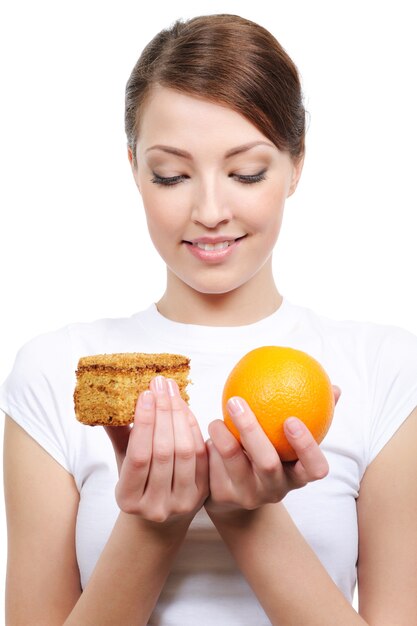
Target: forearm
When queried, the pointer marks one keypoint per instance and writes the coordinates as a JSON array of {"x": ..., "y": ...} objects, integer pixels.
[
  {"x": 290, "y": 582},
  {"x": 130, "y": 573}
]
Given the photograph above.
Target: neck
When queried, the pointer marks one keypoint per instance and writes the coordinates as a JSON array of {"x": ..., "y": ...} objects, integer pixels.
[{"x": 249, "y": 303}]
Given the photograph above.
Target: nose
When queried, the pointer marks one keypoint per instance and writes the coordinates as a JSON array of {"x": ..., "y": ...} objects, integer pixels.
[{"x": 210, "y": 206}]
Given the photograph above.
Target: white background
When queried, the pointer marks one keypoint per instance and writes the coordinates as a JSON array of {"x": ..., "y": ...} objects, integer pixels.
[{"x": 74, "y": 238}]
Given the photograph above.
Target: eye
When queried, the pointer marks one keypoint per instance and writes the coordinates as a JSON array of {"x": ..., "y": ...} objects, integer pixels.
[
  {"x": 246, "y": 179},
  {"x": 173, "y": 180}
]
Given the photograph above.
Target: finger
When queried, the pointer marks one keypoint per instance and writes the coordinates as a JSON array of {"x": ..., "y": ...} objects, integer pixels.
[
  {"x": 201, "y": 471},
  {"x": 337, "y": 393},
  {"x": 162, "y": 463},
  {"x": 312, "y": 464},
  {"x": 254, "y": 440},
  {"x": 135, "y": 469},
  {"x": 184, "y": 455},
  {"x": 235, "y": 461},
  {"x": 220, "y": 483}
]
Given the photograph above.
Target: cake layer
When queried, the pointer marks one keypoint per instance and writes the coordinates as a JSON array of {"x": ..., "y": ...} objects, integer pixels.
[{"x": 108, "y": 385}]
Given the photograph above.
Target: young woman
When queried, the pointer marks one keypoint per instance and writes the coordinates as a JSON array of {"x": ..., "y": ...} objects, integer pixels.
[{"x": 174, "y": 522}]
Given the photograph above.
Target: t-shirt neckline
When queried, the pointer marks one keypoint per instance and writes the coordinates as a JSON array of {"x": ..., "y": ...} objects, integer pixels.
[{"x": 208, "y": 337}]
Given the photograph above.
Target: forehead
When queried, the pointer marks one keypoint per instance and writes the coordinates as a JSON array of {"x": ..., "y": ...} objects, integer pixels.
[{"x": 170, "y": 116}]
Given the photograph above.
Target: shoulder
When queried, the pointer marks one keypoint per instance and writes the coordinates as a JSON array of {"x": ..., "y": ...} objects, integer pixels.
[
  {"x": 42, "y": 353},
  {"x": 38, "y": 392},
  {"x": 46, "y": 350},
  {"x": 371, "y": 340},
  {"x": 371, "y": 361},
  {"x": 376, "y": 367},
  {"x": 45, "y": 364},
  {"x": 67, "y": 343}
]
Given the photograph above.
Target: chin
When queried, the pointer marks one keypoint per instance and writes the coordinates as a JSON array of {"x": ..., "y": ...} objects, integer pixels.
[
  {"x": 208, "y": 281},
  {"x": 215, "y": 287}
]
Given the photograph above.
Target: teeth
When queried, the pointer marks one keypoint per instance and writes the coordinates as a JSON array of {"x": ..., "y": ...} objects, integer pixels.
[{"x": 214, "y": 246}]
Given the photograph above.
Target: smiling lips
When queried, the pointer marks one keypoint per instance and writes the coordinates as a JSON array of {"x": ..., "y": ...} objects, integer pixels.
[
  {"x": 213, "y": 249},
  {"x": 214, "y": 243},
  {"x": 214, "y": 246}
]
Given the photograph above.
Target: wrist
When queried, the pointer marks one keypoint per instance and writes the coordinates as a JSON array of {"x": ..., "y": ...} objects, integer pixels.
[
  {"x": 231, "y": 515},
  {"x": 166, "y": 530},
  {"x": 248, "y": 520}
]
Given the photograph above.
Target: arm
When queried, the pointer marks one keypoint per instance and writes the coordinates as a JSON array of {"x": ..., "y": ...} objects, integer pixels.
[
  {"x": 290, "y": 582},
  {"x": 41, "y": 533},
  {"x": 299, "y": 590},
  {"x": 130, "y": 573},
  {"x": 41, "y": 548},
  {"x": 387, "y": 518},
  {"x": 163, "y": 483}
]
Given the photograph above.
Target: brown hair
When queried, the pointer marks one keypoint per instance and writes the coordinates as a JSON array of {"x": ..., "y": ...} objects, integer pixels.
[{"x": 228, "y": 60}]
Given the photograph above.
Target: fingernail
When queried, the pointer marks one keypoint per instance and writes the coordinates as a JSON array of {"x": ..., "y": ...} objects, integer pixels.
[
  {"x": 235, "y": 406},
  {"x": 159, "y": 384},
  {"x": 172, "y": 387},
  {"x": 294, "y": 427},
  {"x": 147, "y": 399}
]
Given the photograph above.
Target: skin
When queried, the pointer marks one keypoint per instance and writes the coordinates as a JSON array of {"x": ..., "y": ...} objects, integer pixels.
[
  {"x": 167, "y": 472},
  {"x": 212, "y": 201}
]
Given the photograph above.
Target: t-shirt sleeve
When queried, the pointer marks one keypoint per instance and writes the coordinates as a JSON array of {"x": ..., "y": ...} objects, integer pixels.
[
  {"x": 393, "y": 387},
  {"x": 37, "y": 393}
]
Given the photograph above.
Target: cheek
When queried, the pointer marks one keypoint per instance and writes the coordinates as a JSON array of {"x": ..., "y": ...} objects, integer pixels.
[
  {"x": 159, "y": 226},
  {"x": 157, "y": 209},
  {"x": 264, "y": 212},
  {"x": 164, "y": 221}
]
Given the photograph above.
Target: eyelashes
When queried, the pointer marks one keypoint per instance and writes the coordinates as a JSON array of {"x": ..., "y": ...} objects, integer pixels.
[
  {"x": 159, "y": 180},
  {"x": 255, "y": 178},
  {"x": 174, "y": 180}
]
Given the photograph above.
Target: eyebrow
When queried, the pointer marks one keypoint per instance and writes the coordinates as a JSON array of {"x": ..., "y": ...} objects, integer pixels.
[{"x": 186, "y": 155}]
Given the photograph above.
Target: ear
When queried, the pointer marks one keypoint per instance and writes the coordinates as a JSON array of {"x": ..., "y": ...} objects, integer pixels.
[
  {"x": 133, "y": 166},
  {"x": 297, "y": 169},
  {"x": 130, "y": 154}
]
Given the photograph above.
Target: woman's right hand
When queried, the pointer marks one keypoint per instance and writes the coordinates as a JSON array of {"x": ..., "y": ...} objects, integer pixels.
[{"x": 162, "y": 459}]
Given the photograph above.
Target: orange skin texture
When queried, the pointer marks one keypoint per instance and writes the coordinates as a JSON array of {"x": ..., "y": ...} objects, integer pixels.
[{"x": 277, "y": 383}]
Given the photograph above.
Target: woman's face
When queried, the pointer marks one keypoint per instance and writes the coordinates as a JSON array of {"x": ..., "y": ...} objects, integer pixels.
[{"x": 210, "y": 179}]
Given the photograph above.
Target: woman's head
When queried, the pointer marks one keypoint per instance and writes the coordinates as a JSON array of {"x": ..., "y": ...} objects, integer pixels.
[
  {"x": 228, "y": 60},
  {"x": 215, "y": 127}
]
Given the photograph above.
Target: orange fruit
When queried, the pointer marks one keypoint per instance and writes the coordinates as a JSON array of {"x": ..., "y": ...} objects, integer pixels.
[{"x": 278, "y": 383}]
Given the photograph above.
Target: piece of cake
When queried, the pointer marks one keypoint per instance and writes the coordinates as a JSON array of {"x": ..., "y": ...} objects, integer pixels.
[{"x": 108, "y": 385}]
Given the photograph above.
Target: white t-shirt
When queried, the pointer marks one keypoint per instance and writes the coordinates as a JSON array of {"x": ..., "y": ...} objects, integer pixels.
[{"x": 374, "y": 365}]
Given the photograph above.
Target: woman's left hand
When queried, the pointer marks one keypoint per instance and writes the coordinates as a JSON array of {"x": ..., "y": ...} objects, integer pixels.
[{"x": 246, "y": 475}]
